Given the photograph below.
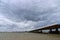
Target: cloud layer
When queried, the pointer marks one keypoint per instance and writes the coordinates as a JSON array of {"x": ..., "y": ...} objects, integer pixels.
[{"x": 25, "y": 15}]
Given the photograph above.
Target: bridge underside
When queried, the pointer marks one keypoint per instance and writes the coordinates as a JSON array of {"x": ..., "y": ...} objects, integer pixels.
[{"x": 50, "y": 28}]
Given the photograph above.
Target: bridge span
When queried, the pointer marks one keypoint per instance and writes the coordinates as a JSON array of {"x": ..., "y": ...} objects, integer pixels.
[{"x": 50, "y": 28}]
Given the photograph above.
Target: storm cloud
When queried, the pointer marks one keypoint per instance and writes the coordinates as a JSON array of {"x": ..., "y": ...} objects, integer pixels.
[{"x": 25, "y": 15}]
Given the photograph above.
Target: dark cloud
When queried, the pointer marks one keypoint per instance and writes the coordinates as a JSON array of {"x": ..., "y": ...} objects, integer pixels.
[{"x": 27, "y": 15}]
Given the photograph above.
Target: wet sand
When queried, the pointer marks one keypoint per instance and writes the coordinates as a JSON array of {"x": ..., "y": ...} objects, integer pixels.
[{"x": 28, "y": 36}]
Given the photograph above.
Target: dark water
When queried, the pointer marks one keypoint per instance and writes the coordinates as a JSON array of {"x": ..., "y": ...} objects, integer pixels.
[{"x": 28, "y": 36}]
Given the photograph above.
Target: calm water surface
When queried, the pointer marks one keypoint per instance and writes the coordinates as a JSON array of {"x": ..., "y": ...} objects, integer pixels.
[{"x": 28, "y": 36}]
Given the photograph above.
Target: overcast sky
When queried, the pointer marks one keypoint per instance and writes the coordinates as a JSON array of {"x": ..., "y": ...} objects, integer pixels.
[{"x": 24, "y": 15}]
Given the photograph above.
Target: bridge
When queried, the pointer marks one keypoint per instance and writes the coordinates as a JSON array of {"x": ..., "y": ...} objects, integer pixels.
[{"x": 49, "y": 27}]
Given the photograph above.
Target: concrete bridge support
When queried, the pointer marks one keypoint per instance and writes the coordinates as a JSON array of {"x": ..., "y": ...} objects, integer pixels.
[
  {"x": 40, "y": 31},
  {"x": 50, "y": 31},
  {"x": 56, "y": 31}
]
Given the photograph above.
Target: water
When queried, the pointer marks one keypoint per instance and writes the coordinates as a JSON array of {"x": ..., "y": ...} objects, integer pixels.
[{"x": 28, "y": 36}]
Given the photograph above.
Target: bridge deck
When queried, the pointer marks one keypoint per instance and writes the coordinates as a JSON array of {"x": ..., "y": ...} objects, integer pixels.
[
  {"x": 50, "y": 27},
  {"x": 56, "y": 26}
]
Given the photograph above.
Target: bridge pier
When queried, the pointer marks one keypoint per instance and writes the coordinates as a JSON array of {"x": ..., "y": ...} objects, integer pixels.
[
  {"x": 56, "y": 31},
  {"x": 50, "y": 31},
  {"x": 40, "y": 31}
]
